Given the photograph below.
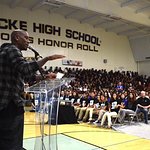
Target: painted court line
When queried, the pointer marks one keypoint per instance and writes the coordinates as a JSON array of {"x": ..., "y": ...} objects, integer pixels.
[
  {"x": 64, "y": 143},
  {"x": 85, "y": 142}
]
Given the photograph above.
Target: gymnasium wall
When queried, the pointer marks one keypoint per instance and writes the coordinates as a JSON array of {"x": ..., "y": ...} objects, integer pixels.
[
  {"x": 141, "y": 48},
  {"x": 93, "y": 47},
  {"x": 144, "y": 67},
  {"x": 141, "y": 52}
]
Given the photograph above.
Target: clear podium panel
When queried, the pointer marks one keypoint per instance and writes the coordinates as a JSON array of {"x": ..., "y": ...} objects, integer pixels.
[{"x": 46, "y": 97}]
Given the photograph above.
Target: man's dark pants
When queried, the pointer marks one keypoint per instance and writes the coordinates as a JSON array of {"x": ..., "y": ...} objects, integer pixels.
[
  {"x": 11, "y": 133},
  {"x": 145, "y": 112}
]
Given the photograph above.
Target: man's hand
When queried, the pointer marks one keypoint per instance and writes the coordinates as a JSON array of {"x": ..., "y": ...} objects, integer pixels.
[
  {"x": 56, "y": 56},
  {"x": 50, "y": 76},
  {"x": 45, "y": 59}
]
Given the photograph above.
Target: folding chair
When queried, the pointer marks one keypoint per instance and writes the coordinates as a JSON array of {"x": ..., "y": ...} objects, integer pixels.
[
  {"x": 115, "y": 117},
  {"x": 132, "y": 116}
]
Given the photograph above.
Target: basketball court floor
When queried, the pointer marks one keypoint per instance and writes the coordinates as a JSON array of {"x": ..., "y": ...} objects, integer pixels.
[{"x": 87, "y": 137}]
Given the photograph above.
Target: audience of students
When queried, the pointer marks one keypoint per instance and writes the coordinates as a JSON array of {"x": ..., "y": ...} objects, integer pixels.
[{"x": 105, "y": 93}]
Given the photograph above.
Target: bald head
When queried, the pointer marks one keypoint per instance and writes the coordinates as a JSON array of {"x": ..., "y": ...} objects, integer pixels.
[
  {"x": 20, "y": 39},
  {"x": 16, "y": 33},
  {"x": 143, "y": 93}
]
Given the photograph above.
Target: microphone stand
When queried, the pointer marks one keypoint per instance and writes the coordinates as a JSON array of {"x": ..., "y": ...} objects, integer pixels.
[{"x": 37, "y": 56}]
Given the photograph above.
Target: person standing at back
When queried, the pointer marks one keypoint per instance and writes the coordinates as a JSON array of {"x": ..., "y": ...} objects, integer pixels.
[{"x": 14, "y": 70}]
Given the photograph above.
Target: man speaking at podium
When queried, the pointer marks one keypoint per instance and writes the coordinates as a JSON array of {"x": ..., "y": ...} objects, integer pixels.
[{"x": 14, "y": 69}]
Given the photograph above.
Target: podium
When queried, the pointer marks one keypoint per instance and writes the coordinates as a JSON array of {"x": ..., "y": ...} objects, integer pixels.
[{"x": 47, "y": 97}]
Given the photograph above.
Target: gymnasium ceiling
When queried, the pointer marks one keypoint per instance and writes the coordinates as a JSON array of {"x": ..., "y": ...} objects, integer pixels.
[{"x": 109, "y": 15}]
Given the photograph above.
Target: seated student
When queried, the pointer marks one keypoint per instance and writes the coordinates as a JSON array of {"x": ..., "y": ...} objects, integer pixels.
[
  {"x": 83, "y": 105},
  {"x": 119, "y": 87},
  {"x": 62, "y": 95},
  {"x": 113, "y": 109},
  {"x": 65, "y": 95},
  {"x": 143, "y": 104},
  {"x": 96, "y": 109},
  {"x": 92, "y": 101},
  {"x": 75, "y": 100},
  {"x": 32, "y": 102},
  {"x": 129, "y": 109},
  {"x": 124, "y": 103},
  {"x": 103, "y": 108}
]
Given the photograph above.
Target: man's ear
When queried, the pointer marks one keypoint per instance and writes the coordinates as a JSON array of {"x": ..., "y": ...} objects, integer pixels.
[{"x": 17, "y": 38}]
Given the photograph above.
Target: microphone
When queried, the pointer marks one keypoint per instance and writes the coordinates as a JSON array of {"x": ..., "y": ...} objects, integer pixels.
[{"x": 37, "y": 55}]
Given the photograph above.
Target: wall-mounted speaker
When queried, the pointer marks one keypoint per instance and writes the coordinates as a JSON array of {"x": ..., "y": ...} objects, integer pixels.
[{"x": 104, "y": 61}]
